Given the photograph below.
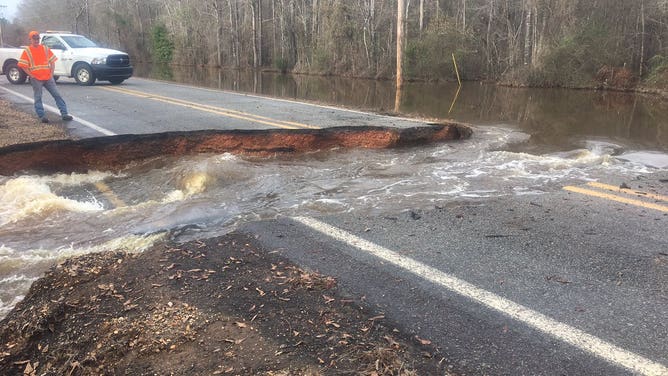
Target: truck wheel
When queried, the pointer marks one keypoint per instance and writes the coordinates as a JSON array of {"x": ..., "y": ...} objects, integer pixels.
[
  {"x": 83, "y": 75},
  {"x": 15, "y": 74}
]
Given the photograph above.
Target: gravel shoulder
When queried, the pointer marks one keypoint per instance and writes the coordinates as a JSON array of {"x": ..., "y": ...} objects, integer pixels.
[{"x": 17, "y": 127}]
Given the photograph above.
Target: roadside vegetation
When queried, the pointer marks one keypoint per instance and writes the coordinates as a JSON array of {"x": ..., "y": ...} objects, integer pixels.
[{"x": 545, "y": 43}]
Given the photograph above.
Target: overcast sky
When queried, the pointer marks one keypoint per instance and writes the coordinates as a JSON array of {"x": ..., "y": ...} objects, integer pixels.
[{"x": 10, "y": 11}]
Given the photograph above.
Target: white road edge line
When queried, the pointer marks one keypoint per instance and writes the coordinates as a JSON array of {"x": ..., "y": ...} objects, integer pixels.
[
  {"x": 558, "y": 330},
  {"x": 56, "y": 111}
]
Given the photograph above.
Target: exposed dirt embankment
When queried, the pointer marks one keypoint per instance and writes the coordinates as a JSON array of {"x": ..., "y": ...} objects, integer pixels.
[
  {"x": 113, "y": 153},
  {"x": 222, "y": 306}
]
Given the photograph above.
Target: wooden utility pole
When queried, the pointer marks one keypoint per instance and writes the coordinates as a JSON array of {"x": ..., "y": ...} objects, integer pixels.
[
  {"x": 400, "y": 42},
  {"x": 642, "y": 37},
  {"x": 254, "y": 23},
  {"x": 400, "y": 53}
]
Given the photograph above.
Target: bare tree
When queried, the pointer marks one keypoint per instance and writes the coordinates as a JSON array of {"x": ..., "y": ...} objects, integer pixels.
[
  {"x": 254, "y": 17},
  {"x": 219, "y": 16},
  {"x": 360, "y": 37},
  {"x": 421, "y": 18},
  {"x": 234, "y": 25},
  {"x": 528, "y": 29}
]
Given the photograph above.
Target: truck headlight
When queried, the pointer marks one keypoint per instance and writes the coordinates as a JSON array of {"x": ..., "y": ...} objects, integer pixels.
[{"x": 99, "y": 61}]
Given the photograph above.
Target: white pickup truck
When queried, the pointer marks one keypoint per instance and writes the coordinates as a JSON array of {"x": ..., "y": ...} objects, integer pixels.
[{"x": 78, "y": 57}]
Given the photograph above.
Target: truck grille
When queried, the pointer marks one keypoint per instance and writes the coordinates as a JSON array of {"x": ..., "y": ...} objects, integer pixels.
[{"x": 118, "y": 60}]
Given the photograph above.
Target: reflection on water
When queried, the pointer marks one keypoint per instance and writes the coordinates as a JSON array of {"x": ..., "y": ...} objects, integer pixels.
[{"x": 555, "y": 119}]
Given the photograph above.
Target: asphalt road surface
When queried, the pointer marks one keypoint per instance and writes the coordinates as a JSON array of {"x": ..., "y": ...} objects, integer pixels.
[
  {"x": 573, "y": 282},
  {"x": 143, "y": 106},
  {"x": 560, "y": 284}
]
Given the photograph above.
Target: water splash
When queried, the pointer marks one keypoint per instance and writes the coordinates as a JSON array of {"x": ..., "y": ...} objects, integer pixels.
[
  {"x": 32, "y": 196},
  {"x": 19, "y": 268},
  {"x": 47, "y": 218}
]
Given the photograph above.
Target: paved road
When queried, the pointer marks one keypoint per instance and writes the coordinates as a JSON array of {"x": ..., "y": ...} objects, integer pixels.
[
  {"x": 560, "y": 284},
  {"x": 144, "y": 106},
  {"x": 574, "y": 282}
]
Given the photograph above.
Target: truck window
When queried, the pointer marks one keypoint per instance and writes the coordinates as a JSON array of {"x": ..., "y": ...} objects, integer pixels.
[
  {"x": 52, "y": 43},
  {"x": 77, "y": 41}
]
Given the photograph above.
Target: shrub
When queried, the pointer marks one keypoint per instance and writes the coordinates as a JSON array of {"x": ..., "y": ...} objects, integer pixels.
[
  {"x": 431, "y": 55},
  {"x": 281, "y": 64},
  {"x": 658, "y": 72},
  {"x": 322, "y": 61},
  {"x": 577, "y": 58},
  {"x": 162, "y": 45}
]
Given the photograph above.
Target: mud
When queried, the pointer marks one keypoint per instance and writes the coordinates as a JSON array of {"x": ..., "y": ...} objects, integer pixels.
[{"x": 116, "y": 152}]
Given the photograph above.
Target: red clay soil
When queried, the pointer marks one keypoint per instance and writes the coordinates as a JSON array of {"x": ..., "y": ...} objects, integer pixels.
[{"x": 116, "y": 152}]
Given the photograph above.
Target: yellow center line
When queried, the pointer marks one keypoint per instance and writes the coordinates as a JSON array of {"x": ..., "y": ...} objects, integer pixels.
[
  {"x": 628, "y": 191},
  {"x": 217, "y": 110},
  {"x": 200, "y": 107},
  {"x": 109, "y": 194},
  {"x": 611, "y": 197}
]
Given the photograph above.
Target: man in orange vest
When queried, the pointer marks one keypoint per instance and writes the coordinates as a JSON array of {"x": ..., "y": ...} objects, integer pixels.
[{"x": 39, "y": 62}]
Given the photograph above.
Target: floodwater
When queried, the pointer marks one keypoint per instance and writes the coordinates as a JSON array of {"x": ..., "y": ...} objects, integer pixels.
[
  {"x": 526, "y": 142},
  {"x": 555, "y": 119}
]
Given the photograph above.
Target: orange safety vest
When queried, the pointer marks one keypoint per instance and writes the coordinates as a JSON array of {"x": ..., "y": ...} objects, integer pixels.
[{"x": 37, "y": 60}]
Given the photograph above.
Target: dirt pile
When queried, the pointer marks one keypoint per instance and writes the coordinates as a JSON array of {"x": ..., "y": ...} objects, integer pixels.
[{"x": 222, "y": 306}]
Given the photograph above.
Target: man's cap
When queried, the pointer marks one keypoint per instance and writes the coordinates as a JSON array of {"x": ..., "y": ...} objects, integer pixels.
[{"x": 33, "y": 33}]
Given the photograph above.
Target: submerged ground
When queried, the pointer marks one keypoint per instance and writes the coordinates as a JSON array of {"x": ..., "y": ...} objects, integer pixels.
[{"x": 222, "y": 306}]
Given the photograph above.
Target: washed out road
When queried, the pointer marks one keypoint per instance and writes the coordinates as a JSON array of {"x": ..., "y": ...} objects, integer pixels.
[{"x": 571, "y": 282}]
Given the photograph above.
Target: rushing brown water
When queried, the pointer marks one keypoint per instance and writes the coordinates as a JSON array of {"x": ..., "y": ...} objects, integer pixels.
[{"x": 525, "y": 142}]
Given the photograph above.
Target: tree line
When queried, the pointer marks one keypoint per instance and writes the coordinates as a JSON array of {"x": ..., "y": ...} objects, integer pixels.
[{"x": 525, "y": 42}]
